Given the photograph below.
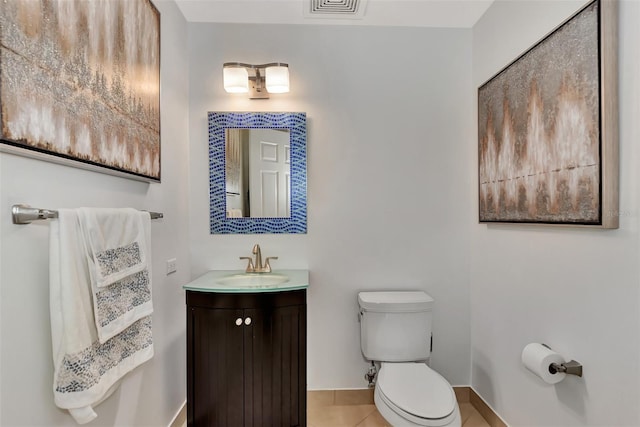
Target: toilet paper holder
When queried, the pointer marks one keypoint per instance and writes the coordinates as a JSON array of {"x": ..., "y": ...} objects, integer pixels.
[{"x": 570, "y": 368}]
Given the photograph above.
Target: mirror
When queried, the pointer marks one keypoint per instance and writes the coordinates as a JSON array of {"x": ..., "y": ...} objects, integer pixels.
[
  {"x": 274, "y": 198},
  {"x": 257, "y": 173}
]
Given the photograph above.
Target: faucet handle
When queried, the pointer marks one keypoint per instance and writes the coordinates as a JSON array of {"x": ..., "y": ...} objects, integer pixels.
[
  {"x": 250, "y": 267},
  {"x": 267, "y": 266}
]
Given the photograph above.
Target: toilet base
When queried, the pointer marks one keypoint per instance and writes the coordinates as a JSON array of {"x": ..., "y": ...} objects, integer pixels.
[{"x": 396, "y": 420}]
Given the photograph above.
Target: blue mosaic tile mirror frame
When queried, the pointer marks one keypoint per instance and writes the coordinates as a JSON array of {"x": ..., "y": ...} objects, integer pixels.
[{"x": 297, "y": 125}]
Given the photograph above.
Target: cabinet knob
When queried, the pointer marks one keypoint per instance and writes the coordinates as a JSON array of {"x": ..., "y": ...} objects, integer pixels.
[
  {"x": 247, "y": 321},
  {"x": 239, "y": 321}
]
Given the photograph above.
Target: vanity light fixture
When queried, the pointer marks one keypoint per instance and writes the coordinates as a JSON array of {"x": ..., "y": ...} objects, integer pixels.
[{"x": 257, "y": 80}]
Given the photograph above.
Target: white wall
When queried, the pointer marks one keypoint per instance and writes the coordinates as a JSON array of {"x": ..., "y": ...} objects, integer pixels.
[
  {"x": 389, "y": 116},
  {"x": 574, "y": 289},
  {"x": 153, "y": 393}
]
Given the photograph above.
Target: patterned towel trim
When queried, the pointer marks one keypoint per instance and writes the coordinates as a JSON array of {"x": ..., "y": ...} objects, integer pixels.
[
  {"x": 113, "y": 261},
  {"x": 82, "y": 370},
  {"x": 113, "y": 301}
]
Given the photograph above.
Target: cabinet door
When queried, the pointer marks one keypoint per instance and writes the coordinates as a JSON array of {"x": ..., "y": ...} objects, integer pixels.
[
  {"x": 216, "y": 352},
  {"x": 275, "y": 367}
]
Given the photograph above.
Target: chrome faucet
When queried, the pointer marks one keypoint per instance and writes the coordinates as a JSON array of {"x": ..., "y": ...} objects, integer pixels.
[{"x": 257, "y": 267}]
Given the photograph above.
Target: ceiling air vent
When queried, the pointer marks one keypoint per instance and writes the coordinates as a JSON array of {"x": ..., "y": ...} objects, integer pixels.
[{"x": 335, "y": 9}]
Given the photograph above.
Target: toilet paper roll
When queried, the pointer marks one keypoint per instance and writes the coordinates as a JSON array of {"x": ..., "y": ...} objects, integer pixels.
[{"x": 537, "y": 358}]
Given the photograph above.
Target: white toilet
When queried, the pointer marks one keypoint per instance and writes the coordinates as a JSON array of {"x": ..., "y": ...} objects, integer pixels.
[{"x": 395, "y": 329}]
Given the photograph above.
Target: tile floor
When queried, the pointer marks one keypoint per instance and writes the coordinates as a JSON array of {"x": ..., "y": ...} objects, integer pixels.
[{"x": 355, "y": 408}]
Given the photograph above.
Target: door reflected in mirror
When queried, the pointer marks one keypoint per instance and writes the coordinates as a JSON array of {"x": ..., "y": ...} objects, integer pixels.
[{"x": 258, "y": 173}]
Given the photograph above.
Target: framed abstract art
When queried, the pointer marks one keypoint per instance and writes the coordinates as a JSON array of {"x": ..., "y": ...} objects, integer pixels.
[
  {"x": 548, "y": 128},
  {"x": 80, "y": 84}
]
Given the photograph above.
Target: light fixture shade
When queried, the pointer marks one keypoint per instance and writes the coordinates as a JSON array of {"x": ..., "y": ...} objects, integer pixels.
[
  {"x": 277, "y": 79},
  {"x": 236, "y": 79}
]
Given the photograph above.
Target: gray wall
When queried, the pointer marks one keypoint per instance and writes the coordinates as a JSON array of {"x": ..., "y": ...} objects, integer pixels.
[
  {"x": 153, "y": 393},
  {"x": 389, "y": 120},
  {"x": 574, "y": 289}
]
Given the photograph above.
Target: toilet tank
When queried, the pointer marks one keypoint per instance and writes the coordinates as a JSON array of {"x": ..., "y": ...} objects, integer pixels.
[{"x": 395, "y": 326}]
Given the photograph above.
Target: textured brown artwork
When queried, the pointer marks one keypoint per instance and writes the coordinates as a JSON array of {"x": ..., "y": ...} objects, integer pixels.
[
  {"x": 539, "y": 133},
  {"x": 80, "y": 80}
]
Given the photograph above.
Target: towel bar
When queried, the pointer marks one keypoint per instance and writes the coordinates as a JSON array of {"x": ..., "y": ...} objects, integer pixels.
[{"x": 25, "y": 214}]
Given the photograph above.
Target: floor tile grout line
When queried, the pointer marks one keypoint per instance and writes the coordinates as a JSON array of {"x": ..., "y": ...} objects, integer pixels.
[{"x": 373, "y": 410}]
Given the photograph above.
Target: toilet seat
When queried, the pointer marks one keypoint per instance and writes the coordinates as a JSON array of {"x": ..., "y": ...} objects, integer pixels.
[{"x": 417, "y": 393}]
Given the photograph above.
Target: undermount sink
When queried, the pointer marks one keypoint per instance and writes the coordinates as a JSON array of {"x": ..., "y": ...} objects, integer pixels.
[{"x": 253, "y": 280}]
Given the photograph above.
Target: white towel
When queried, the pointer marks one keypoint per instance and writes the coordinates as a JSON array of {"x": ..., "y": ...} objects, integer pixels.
[
  {"x": 86, "y": 371},
  {"x": 117, "y": 243}
]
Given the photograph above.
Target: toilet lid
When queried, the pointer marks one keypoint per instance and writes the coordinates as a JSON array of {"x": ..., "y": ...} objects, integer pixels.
[{"x": 416, "y": 389}]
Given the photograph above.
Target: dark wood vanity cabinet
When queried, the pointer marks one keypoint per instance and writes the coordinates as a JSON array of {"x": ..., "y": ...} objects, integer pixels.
[{"x": 246, "y": 359}]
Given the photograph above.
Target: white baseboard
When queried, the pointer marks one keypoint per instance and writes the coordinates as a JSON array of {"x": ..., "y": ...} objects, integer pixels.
[{"x": 180, "y": 419}]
